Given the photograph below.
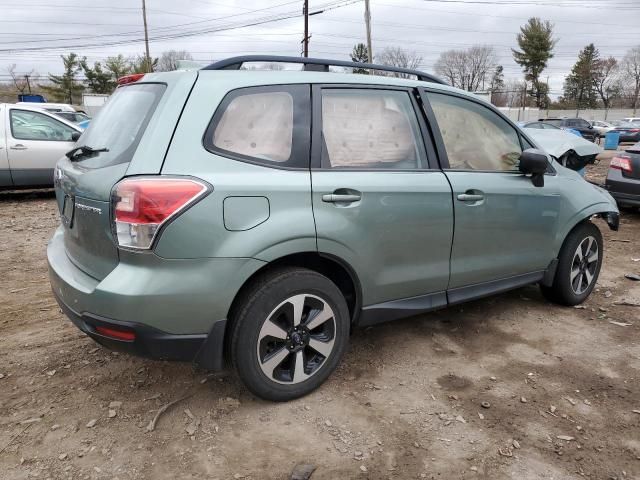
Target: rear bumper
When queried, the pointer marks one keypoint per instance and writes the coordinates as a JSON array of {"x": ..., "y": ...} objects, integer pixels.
[
  {"x": 626, "y": 199},
  {"x": 149, "y": 342},
  {"x": 176, "y": 308},
  {"x": 626, "y": 191}
]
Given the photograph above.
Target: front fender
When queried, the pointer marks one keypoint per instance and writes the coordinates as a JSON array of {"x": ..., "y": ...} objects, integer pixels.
[{"x": 603, "y": 210}]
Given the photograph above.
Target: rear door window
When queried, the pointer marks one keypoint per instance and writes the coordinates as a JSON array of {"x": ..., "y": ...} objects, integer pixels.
[
  {"x": 370, "y": 129},
  {"x": 119, "y": 125},
  {"x": 264, "y": 125}
]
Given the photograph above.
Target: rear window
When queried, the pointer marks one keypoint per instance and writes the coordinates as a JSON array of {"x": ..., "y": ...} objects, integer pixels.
[{"x": 119, "y": 125}]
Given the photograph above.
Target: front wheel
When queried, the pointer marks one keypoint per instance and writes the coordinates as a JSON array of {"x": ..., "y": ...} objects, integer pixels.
[
  {"x": 289, "y": 333},
  {"x": 578, "y": 268}
]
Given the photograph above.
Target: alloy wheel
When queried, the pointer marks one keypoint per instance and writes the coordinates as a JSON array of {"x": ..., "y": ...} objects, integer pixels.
[
  {"x": 296, "y": 339},
  {"x": 584, "y": 265}
]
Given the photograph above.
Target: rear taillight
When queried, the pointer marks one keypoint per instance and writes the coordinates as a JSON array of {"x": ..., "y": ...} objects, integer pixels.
[
  {"x": 141, "y": 205},
  {"x": 134, "y": 77},
  {"x": 621, "y": 163}
]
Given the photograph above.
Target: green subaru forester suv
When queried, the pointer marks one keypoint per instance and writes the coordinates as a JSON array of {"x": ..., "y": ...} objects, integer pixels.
[{"x": 254, "y": 218}]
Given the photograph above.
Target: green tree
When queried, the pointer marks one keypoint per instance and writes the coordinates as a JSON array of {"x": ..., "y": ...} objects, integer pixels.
[
  {"x": 118, "y": 66},
  {"x": 540, "y": 94},
  {"x": 579, "y": 86},
  {"x": 97, "y": 79},
  {"x": 536, "y": 46},
  {"x": 360, "y": 54},
  {"x": 142, "y": 64},
  {"x": 65, "y": 87}
]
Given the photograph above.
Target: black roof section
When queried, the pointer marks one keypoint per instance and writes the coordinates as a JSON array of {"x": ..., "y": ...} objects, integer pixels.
[{"x": 317, "y": 65}]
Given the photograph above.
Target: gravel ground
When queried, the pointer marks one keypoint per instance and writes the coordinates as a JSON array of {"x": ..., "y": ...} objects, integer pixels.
[{"x": 562, "y": 386}]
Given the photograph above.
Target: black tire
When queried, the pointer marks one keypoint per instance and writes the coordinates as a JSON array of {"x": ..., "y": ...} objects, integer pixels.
[
  {"x": 272, "y": 297},
  {"x": 566, "y": 290}
]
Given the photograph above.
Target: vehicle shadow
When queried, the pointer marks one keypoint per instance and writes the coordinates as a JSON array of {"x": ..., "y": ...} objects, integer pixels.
[{"x": 31, "y": 194}]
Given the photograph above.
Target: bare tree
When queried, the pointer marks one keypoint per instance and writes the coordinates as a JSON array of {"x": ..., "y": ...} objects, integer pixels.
[
  {"x": 606, "y": 81},
  {"x": 398, "y": 57},
  {"x": 169, "y": 60},
  {"x": 631, "y": 69},
  {"x": 469, "y": 69},
  {"x": 511, "y": 94},
  {"x": 21, "y": 82}
]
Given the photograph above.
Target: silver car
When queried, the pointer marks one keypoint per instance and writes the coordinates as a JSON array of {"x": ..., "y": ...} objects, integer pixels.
[{"x": 32, "y": 140}]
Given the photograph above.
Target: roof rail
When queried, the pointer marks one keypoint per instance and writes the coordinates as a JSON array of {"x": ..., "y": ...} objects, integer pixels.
[{"x": 316, "y": 64}]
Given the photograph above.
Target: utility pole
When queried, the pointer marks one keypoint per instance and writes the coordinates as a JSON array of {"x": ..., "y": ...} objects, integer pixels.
[
  {"x": 146, "y": 37},
  {"x": 305, "y": 40},
  {"x": 367, "y": 19}
]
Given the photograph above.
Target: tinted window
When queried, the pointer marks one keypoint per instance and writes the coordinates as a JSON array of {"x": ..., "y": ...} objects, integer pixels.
[
  {"x": 28, "y": 125},
  {"x": 534, "y": 125},
  {"x": 119, "y": 125},
  {"x": 367, "y": 128},
  {"x": 267, "y": 125},
  {"x": 556, "y": 123},
  {"x": 474, "y": 136}
]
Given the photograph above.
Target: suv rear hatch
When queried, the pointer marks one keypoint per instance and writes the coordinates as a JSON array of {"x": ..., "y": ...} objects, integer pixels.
[{"x": 132, "y": 133}]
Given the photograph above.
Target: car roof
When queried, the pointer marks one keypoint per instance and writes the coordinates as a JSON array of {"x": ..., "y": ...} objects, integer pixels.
[{"x": 244, "y": 78}]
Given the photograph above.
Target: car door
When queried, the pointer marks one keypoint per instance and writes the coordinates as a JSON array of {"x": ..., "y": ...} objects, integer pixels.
[
  {"x": 504, "y": 226},
  {"x": 380, "y": 202},
  {"x": 36, "y": 141}
]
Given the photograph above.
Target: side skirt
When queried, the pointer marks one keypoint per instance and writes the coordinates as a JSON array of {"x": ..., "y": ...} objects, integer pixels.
[
  {"x": 407, "y": 307},
  {"x": 479, "y": 290}
]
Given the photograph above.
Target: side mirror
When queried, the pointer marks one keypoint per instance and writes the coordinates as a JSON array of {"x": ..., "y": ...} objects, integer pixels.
[
  {"x": 75, "y": 136},
  {"x": 534, "y": 162}
]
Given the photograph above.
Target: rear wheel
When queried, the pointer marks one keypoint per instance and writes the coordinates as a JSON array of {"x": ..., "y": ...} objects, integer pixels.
[
  {"x": 289, "y": 333},
  {"x": 579, "y": 265}
]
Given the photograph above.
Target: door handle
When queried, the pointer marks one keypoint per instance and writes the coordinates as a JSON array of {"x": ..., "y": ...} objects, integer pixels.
[
  {"x": 338, "y": 198},
  {"x": 18, "y": 146},
  {"x": 470, "y": 197}
]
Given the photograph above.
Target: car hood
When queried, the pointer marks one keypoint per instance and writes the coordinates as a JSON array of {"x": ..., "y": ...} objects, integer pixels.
[{"x": 558, "y": 142}]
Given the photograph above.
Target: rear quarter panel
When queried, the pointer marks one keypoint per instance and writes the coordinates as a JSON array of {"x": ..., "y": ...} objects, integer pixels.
[{"x": 201, "y": 230}]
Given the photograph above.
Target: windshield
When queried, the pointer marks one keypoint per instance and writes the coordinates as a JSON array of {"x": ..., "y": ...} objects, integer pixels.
[
  {"x": 119, "y": 125},
  {"x": 555, "y": 123}
]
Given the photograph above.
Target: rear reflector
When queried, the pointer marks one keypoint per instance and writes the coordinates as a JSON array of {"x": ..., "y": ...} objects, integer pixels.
[
  {"x": 141, "y": 205},
  {"x": 126, "y": 335},
  {"x": 134, "y": 77},
  {"x": 621, "y": 163}
]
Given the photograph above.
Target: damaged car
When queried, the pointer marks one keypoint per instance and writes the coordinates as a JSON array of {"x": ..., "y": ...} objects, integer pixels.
[{"x": 569, "y": 150}]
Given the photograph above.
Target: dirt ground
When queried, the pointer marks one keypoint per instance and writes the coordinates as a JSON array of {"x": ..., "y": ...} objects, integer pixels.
[{"x": 562, "y": 386}]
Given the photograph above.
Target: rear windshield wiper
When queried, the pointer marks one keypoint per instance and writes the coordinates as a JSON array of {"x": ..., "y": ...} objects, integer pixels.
[{"x": 83, "y": 150}]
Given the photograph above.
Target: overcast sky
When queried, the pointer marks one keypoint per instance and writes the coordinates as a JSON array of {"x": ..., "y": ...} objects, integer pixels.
[{"x": 33, "y": 33}]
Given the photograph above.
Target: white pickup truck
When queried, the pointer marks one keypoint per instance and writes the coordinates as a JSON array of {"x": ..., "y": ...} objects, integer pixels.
[{"x": 32, "y": 140}]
